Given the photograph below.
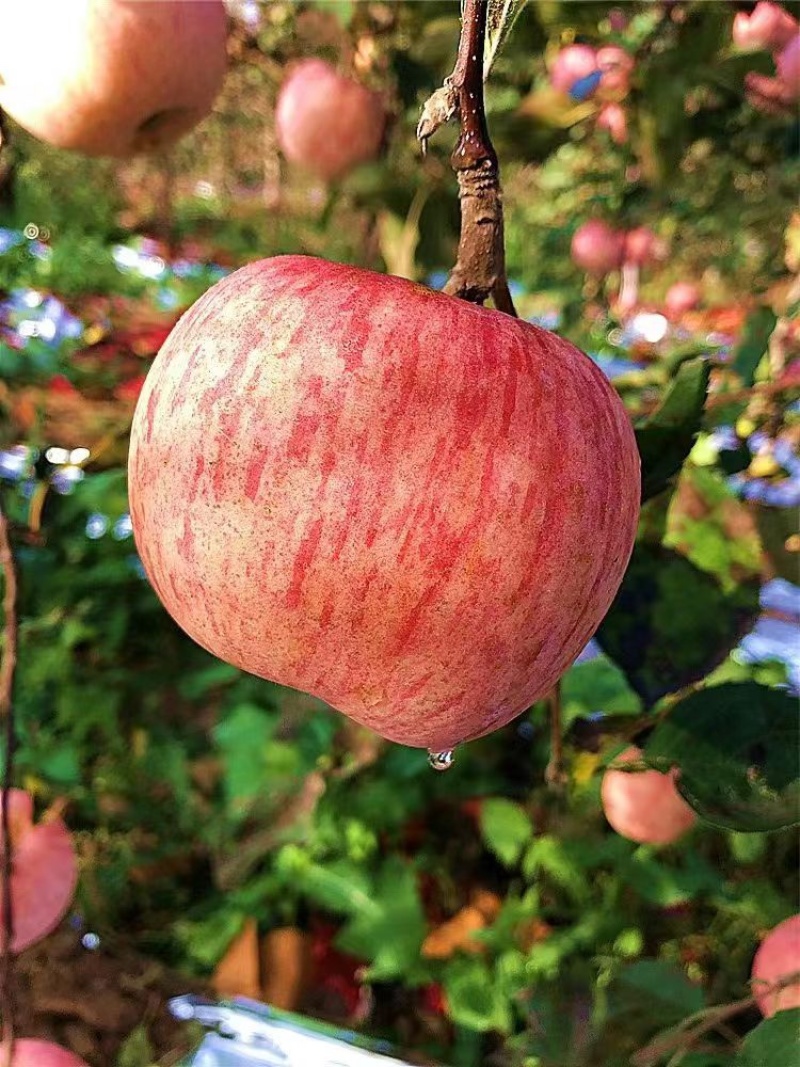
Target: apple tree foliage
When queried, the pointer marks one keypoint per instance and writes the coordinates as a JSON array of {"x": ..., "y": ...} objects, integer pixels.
[{"x": 203, "y": 798}]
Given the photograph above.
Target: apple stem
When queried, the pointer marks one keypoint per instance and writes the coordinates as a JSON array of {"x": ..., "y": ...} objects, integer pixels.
[
  {"x": 7, "y": 669},
  {"x": 480, "y": 270}
]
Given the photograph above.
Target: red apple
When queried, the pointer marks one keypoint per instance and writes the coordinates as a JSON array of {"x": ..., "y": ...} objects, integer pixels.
[
  {"x": 572, "y": 63},
  {"x": 617, "y": 66},
  {"x": 326, "y": 122},
  {"x": 597, "y": 248},
  {"x": 681, "y": 297},
  {"x": 612, "y": 117},
  {"x": 28, "y": 1052},
  {"x": 412, "y": 507},
  {"x": 644, "y": 806},
  {"x": 44, "y": 871},
  {"x": 788, "y": 66},
  {"x": 111, "y": 77},
  {"x": 768, "y": 27},
  {"x": 643, "y": 247},
  {"x": 770, "y": 95},
  {"x": 778, "y": 957}
]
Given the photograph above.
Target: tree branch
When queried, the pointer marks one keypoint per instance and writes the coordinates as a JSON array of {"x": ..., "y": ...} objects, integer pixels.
[
  {"x": 480, "y": 268},
  {"x": 554, "y": 774},
  {"x": 7, "y": 668}
]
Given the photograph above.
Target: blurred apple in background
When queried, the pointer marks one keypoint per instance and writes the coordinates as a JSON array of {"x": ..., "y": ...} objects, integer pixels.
[
  {"x": 326, "y": 122},
  {"x": 597, "y": 248},
  {"x": 681, "y": 297},
  {"x": 612, "y": 118},
  {"x": 571, "y": 65},
  {"x": 44, "y": 871},
  {"x": 31, "y": 1053},
  {"x": 643, "y": 247},
  {"x": 778, "y": 957},
  {"x": 768, "y": 27},
  {"x": 111, "y": 77},
  {"x": 617, "y": 66}
]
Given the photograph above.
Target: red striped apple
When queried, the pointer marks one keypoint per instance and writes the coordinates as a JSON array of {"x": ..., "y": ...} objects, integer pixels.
[
  {"x": 111, "y": 77},
  {"x": 414, "y": 508},
  {"x": 44, "y": 871},
  {"x": 327, "y": 123},
  {"x": 644, "y": 806},
  {"x": 29, "y": 1052},
  {"x": 778, "y": 957}
]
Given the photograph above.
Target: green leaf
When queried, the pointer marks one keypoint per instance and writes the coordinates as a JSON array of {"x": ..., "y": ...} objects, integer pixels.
[
  {"x": 597, "y": 685},
  {"x": 242, "y": 737},
  {"x": 665, "y": 438},
  {"x": 753, "y": 345},
  {"x": 341, "y": 9},
  {"x": 500, "y": 19},
  {"x": 340, "y": 887},
  {"x": 506, "y": 829},
  {"x": 658, "y": 989},
  {"x": 773, "y": 1043},
  {"x": 649, "y": 633},
  {"x": 391, "y": 930},
  {"x": 473, "y": 998},
  {"x": 666, "y": 886},
  {"x": 738, "y": 750},
  {"x": 136, "y": 1050}
]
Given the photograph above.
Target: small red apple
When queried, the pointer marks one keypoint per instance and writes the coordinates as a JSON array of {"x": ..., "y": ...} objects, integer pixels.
[
  {"x": 111, "y": 77},
  {"x": 681, "y": 297},
  {"x": 778, "y": 957},
  {"x": 326, "y": 122},
  {"x": 644, "y": 806},
  {"x": 768, "y": 27},
  {"x": 617, "y": 66},
  {"x": 28, "y": 1052},
  {"x": 572, "y": 63},
  {"x": 612, "y": 117},
  {"x": 44, "y": 871},
  {"x": 413, "y": 507},
  {"x": 597, "y": 248},
  {"x": 643, "y": 247}
]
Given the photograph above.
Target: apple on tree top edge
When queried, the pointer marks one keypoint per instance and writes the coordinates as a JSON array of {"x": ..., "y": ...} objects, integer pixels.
[
  {"x": 415, "y": 508},
  {"x": 111, "y": 78}
]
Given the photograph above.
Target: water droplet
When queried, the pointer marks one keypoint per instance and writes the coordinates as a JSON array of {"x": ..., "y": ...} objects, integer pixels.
[{"x": 441, "y": 761}]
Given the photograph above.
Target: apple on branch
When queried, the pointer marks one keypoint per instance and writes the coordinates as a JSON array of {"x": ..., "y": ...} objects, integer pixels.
[{"x": 415, "y": 508}]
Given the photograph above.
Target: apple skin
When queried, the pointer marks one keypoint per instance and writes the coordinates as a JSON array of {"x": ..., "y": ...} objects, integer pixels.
[
  {"x": 44, "y": 872},
  {"x": 111, "y": 77},
  {"x": 644, "y": 806},
  {"x": 597, "y": 248},
  {"x": 777, "y": 957},
  {"x": 28, "y": 1052},
  {"x": 327, "y": 123},
  {"x": 414, "y": 508}
]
